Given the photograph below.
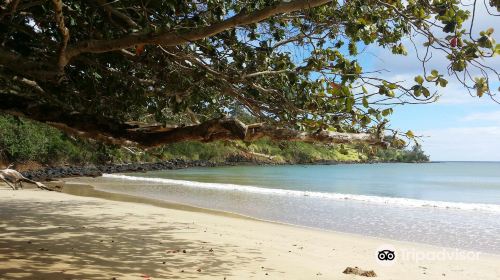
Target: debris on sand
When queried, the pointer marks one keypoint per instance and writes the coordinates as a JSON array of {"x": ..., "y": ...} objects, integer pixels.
[{"x": 358, "y": 271}]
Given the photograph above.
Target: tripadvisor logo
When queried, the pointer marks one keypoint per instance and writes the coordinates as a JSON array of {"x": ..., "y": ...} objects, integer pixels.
[{"x": 386, "y": 255}]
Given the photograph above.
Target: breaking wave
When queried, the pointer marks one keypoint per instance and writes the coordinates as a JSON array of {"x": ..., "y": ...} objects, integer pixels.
[{"x": 405, "y": 202}]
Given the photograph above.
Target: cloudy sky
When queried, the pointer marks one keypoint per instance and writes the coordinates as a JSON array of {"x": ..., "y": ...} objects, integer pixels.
[{"x": 458, "y": 126}]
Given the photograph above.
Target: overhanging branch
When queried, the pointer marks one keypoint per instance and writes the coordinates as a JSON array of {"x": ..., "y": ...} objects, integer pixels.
[
  {"x": 173, "y": 38},
  {"x": 35, "y": 70},
  {"x": 113, "y": 131}
]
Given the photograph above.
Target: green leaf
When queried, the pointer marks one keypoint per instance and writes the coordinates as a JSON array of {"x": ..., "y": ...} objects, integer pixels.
[
  {"x": 353, "y": 50},
  {"x": 450, "y": 27},
  {"x": 426, "y": 92},
  {"x": 386, "y": 112},
  {"x": 417, "y": 90},
  {"x": 365, "y": 102},
  {"x": 349, "y": 103},
  {"x": 392, "y": 86},
  {"x": 365, "y": 120},
  {"x": 419, "y": 79},
  {"x": 497, "y": 49},
  {"x": 443, "y": 82},
  {"x": 410, "y": 134}
]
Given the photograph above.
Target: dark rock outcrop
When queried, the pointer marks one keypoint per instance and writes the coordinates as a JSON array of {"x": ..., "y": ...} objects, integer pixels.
[{"x": 49, "y": 173}]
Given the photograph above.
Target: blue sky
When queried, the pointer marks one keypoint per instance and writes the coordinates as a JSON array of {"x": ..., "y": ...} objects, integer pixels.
[
  {"x": 461, "y": 130},
  {"x": 458, "y": 126}
]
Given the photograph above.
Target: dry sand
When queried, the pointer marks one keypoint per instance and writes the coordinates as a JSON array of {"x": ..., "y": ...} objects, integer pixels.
[{"x": 50, "y": 235}]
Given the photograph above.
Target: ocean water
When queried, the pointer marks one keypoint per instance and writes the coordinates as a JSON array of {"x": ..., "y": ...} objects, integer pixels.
[{"x": 451, "y": 204}]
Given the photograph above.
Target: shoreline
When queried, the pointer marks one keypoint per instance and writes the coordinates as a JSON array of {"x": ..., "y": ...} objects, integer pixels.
[
  {"x": 363, "y": 198},
  {"x": 78, "y": 237},
  {"x": 87, "y": 189},
  {"x": 50, "y": 173}
]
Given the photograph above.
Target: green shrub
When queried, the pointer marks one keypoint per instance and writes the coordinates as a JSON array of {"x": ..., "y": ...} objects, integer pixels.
[{"x": 23, "y": 140}]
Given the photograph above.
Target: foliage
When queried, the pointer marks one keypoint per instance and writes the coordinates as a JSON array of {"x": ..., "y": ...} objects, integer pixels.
[
  {"x": 22, "y": 140},
  {"x": 415, "y": 154},
  {"x": 288, "y": 63}
]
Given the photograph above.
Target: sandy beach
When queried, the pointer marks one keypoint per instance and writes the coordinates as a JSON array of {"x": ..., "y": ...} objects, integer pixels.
[{"x": 51, "y": 235}]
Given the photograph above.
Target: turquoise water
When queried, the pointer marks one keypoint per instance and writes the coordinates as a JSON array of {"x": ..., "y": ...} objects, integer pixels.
[
  {"x": 452, "y": 204},
  {"x": 451, "y": 181}
]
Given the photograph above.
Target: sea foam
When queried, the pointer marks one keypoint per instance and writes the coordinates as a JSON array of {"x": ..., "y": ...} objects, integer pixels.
[{"x": 398, "y": 201}]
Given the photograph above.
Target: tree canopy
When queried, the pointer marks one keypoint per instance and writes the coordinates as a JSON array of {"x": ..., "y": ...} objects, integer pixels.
[{"x": 129, "y": 70}]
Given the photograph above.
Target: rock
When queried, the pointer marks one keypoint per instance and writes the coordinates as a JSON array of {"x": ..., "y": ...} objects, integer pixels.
[
  {"x": 40, "y": 173},
  {"x": 358, "y": 271}
]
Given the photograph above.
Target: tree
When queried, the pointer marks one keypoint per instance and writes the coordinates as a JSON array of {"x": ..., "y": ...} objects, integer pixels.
[
  {"x": 416, "y": 154},
  {"x": 120, "y": 71}
]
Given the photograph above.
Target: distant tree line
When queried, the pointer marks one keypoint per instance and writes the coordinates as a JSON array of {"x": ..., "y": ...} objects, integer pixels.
[{"x": 414, "y": 154}]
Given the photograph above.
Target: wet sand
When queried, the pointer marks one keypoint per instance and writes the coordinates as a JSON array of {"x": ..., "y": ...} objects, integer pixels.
[{"x": 50, "y": 235}]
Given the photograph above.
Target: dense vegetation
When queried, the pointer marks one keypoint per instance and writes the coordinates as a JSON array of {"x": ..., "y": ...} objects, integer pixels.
[
  {"x": 22, "y": 140},
  {"x": 127, "y": 68}
]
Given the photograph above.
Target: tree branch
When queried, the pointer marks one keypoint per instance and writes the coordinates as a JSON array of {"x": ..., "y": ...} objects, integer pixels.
[
  {"x": 29, "y": 83},
  {"x": 27, "y": 68},
  {"x": 266, "y": 73},
  {"x": 11, "y": 9},
  {"x": 64, "y": 31},
  {"x": 173, "y": 38},
  {"x": 113, "y": 12},
  {"x": 112, "y": 131}
]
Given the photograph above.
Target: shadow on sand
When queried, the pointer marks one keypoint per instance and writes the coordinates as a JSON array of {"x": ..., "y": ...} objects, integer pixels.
[{"x": 59, "y": 241}]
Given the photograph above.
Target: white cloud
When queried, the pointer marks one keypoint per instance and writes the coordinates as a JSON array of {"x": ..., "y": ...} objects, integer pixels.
[
  {"x": 463, "y": 143},
  {"x": 486, "y": 116}
]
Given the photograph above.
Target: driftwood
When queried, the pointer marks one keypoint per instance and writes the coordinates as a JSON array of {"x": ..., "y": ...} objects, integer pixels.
[
  {"x": 358, "y": 271},
  {"x": 15, "y": 179}
]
